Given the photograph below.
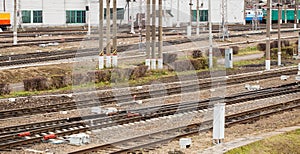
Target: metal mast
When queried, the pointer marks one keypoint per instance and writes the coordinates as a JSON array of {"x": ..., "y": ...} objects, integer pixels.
[
  {"x": 15, "y": 39},
  {"x": 108, "y": 46},
  {"x": 153, "y": 56},
  {"x": 148, "y": 29},
  {"x": 115, "y": 43},
  {"x": 160, "y": 39},
  {"x": 101, "y": 53},
  {"x": 210, "y": 35},
  {"x": 268, "y": 58},
  {"x": 279, "y": 33}
]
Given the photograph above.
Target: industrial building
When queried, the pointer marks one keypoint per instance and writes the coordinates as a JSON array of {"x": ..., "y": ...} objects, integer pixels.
[{"x": 43, "y": 13}]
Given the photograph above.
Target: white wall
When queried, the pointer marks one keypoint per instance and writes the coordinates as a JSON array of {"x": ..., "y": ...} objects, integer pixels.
[{"x": 54, "y": 11}]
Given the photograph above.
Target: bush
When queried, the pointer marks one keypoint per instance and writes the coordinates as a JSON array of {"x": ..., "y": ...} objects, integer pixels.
[
  {"x": 197, "y": 54},
  {"x": 139, "y": 71},
  {"x": 261, "y": 46},
  {"x": 284, "y": 43},
  {"x": 182, "y": 65},
  {"x": 218, "y": 52},
  {"x": 37, "y": 83},
  {"x": 102, "y": 76},
  {"x": 79, "y": 78},
  {"x": 4, "y": 89},
  {"x": 285, "y": 53},
  {"x": 235, "y": 49},
  {"x": 200, "y": 63},
  {"x": 58, "y": 81},
  {"x": 289, "y": 50},
  {"x": 193, "y": 64},
  {"x": 169, "y": 58},
  {"x": 121, "y": 74}
]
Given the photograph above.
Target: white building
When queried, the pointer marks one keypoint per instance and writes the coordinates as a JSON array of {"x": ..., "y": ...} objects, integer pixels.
[{"x": 73, "y": 13}]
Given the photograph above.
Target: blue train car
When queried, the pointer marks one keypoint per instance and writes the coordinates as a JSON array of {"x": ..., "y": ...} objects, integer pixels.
[{"x": 250, "y": 15}]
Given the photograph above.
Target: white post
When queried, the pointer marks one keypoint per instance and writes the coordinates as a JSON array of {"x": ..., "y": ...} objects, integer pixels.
[
  {"x": 114, "y": 60},
  {"x": 178, "y": 24},
  {"x": 270, "y": 15},
  {"x": 219, "y": 123},
  {"x": 210, "y": 35},
  {"x": 148, "y": 63},
  {"x": 89, "y": 18},
  {"x": 189, "y": 27},
  {"x": 101, "y": 62},
  {"x": 197, "y": 18},
  {"x": 153, "y": 64},
  {"x": 108, "y": 61},
  {"x": 15, "y": 39},
  {"x": 229, "y": 58},
  {"x": 160, "y": 63},
  {"x": 132, "y": 22}
]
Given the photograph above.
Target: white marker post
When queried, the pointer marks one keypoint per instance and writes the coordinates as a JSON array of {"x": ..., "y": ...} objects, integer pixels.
[
  {"x": 160, "y": 63},
  {"x": 148, "y": 63},
  {"x": 219, "y": 123},
  {"x": 101, "y": 61},
  {"x": 115, "y": 59},
  {"x": 153, "y": 64}
]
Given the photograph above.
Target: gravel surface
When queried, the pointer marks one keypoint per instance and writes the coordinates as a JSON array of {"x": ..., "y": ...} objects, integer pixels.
[
  {"x": 113, "y": 134},
  {"x": 200, "y": 141},
  {"x": 194, "y": 96}
]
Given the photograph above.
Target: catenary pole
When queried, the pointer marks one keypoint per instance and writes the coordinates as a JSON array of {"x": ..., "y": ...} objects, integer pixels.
[
  {"x": 108, "y": 46},
  {"x": 160, "y": 38},
  {"x": 15, "y": 39},
  {"x": 268, "y": 59},
  {"x": 115, "y": 45},
  {"x": 210, "y": 35},
  {"x": 148, "y": 28},
  {"x": 101, "y": 53},
  {"x": 279, "y": 33},
  {"x": 153, "y": 56}
]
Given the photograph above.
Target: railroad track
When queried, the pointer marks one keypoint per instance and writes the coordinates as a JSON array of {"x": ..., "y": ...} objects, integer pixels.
[
  {"x": 10, "y": 136},
  {"x": 150, "y": 141},
  {"x": 177, "y": 89},
  {"x": 9, "y": 60}
]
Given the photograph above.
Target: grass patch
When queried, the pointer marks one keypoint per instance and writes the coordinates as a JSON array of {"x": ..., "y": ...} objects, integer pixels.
[
  {"x": 248, "y": 51},
  {"x": 283, "y": 143},
  {"x": 249, "y": 62}
]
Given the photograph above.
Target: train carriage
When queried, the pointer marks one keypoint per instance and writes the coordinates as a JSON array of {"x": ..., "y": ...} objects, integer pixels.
[{"x": 4, "y": 20}]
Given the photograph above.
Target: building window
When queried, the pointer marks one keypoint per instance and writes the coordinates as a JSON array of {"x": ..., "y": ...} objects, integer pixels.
[
  {"x": 76, "y": 16},
  {"x": 203, "y": 15},
  {"x": 120, "y": 13},
  {"x": 37, "y": 16},
  {"x": 26, "y": 16}
]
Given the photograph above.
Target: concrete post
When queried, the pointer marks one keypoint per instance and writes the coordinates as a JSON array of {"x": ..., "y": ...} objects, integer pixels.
[
  {"x": 160, "y": 39},
  {"x": 268, "y": 58},
  {"x": 153, "y": 56},
  {"x": 101, "y": 53},
  {"x": 115, "y": 45},
  {"x": 148, "y": 28},
  {"x": 178, "y": 13},
  {"x": 89, "y": 18},
  {"x": 219, "y": 123},
  {"x": 15, "y": 39},
  {"x": 108, "y": 46},
  {"x": 279, "y": 33},
  {"x": 210, "y": 35},
  {"x": 189, "y": 27},
  {"x": 197, "y": 18},
  {"x": 295, "y": 15}
]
